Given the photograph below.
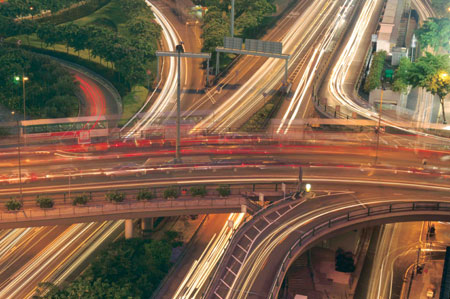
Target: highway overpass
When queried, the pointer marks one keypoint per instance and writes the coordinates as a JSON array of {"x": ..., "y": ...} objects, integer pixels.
[{"x": 262, "y": 250}]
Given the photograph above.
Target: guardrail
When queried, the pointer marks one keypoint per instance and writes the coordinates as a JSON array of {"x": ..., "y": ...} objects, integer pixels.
[
  {"x": 352, "y": 216},
  {"x": 245, "y": 226},
  {"x": 99, "y": 206},
  {"x": 77, "y": 214}
]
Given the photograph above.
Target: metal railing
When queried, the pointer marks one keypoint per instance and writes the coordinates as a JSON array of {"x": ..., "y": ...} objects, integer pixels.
[
  {"x": 351, "y": 216},
  {"x": 245, "y": 226},
  {"x": 98, "y": 205}
]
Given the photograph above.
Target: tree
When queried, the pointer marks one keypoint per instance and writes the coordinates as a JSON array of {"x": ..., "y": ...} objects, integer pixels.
[
  {"x": 344, "y": 261},
  {"x": 373, "y": 80},
  {"x": 215, "y": 27},
  {"x": 435, "y": 33},
  {"x": 133, "y": 8},
  {"x": 441, "y": 7},
  {"x": 439, "y": 84},
  {"x": 431, "y": 72},
  {"x": 401, "y": 74}
]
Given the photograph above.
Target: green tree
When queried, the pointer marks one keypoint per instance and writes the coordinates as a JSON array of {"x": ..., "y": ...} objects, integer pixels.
[
  {"x": 215, "y": 28},
  {"x": 431, "y": 72},
  {"x": 441, "y": 7},
  {"x": 133, "y": 8},
  {"x": 401, "y": 75},
  {"x": 435, "y": 32},
  {"x": 373, "y": 80}
]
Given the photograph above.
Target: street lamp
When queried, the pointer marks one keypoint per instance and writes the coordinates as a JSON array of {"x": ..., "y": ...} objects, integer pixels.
[
  {"x": 443, "y": 76},
  {"x": 179, "y": 49},
  {"x": 18, "y": 152},
  {"x": 24, "y": 79},
  {"x": 378, "y": 131},
  {"x": 232, "y": 18}
]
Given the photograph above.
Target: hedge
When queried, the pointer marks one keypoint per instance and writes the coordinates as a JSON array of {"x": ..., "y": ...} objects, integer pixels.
[{"x": 373, "y": 80}]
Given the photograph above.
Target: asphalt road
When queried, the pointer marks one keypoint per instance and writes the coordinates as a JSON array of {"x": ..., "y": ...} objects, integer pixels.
[{"x": 263, "y": 259}]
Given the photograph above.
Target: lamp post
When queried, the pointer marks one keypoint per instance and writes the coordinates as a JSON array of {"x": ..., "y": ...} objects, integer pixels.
[
  {"x": 18, "y": 152},
  {"x": 180, "y": 49},
  {"x": 413, "y": 46},
  {"x": 443, "y": 76},
  {"x": 379, "y": 122},
  {"x": 24, "y": 79},
  {"x": 232, "y": 19}
]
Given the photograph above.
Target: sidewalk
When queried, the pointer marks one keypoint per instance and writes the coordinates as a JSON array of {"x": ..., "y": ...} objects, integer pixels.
[{"x": 430, "y": 279}]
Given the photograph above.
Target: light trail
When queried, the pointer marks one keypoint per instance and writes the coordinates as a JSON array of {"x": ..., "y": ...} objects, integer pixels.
[
  {"x": 259, "y": 255},
  {"x": 251, "y": 94},
  {"x": 336, "y": 84},
  {"x": 197, "y": 276},
  {"x": 309, "y": 74},
  {"x": 29, "y": 272},
  {"x": 167, "y": 96}
]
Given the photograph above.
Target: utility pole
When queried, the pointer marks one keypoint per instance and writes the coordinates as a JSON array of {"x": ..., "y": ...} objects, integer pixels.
[
  {"x": 232, "y": 18},
  {"x": 379, "y": 123},
  {"x": 178, "y": 54},
  {"x": 19, "y": 157},
  {"x": 180, "y": 49}
]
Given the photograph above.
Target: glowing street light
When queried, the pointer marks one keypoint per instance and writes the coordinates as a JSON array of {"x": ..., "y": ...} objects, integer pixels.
[
  {"x": 18, "y": 152},
  {"x": 24, "y": 79},
  {"x": 308, "y": 187}
]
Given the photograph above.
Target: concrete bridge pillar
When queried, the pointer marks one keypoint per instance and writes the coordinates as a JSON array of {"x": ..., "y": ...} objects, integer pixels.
[
  {"x": 128, "y": 228},
  {"x": 146, "y": 224}
]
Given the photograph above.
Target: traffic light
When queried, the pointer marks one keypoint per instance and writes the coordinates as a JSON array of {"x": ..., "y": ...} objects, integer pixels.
[{"x": 419, "y": 269}]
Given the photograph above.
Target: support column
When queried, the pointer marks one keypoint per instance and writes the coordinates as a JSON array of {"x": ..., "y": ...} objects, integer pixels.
[
  {"x": 207, "y": 72},
  {"x": 157, "y": 70},
  {"x": 128, "y": 228},
  {"x": 146, "y": 224},
  {"x": 217, "y": 62},
  {"x": 286, "y": 71}
]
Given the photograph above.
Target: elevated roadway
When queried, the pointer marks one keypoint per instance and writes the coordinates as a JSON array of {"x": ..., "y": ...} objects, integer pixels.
[
  {"x": 269, "y": 178},
  {"x": 263, "y": 249}
]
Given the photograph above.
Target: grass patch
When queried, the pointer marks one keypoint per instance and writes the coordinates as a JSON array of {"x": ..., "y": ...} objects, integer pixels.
[
  {"x": 111, "y": 12},
  {"x": 259, "y": 121},
  {"x": 33, "y": 41},
  {"x": 132, "y": 102}
]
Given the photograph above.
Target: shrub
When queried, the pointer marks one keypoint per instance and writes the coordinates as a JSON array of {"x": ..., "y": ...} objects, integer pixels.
[
  {"x": 115, "y": 196},
  {"x": 224, "y": 190},
  {"x": 81, "y": 199},
  {"x": 171, "y": 192},
  {"x": 13, "y": 204},
  {"x": 144, "y": 194},
  {"x": 44, "y": 202},
  {"x": 198, "y": 191},
  {"x": 373, "y": 80}
]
